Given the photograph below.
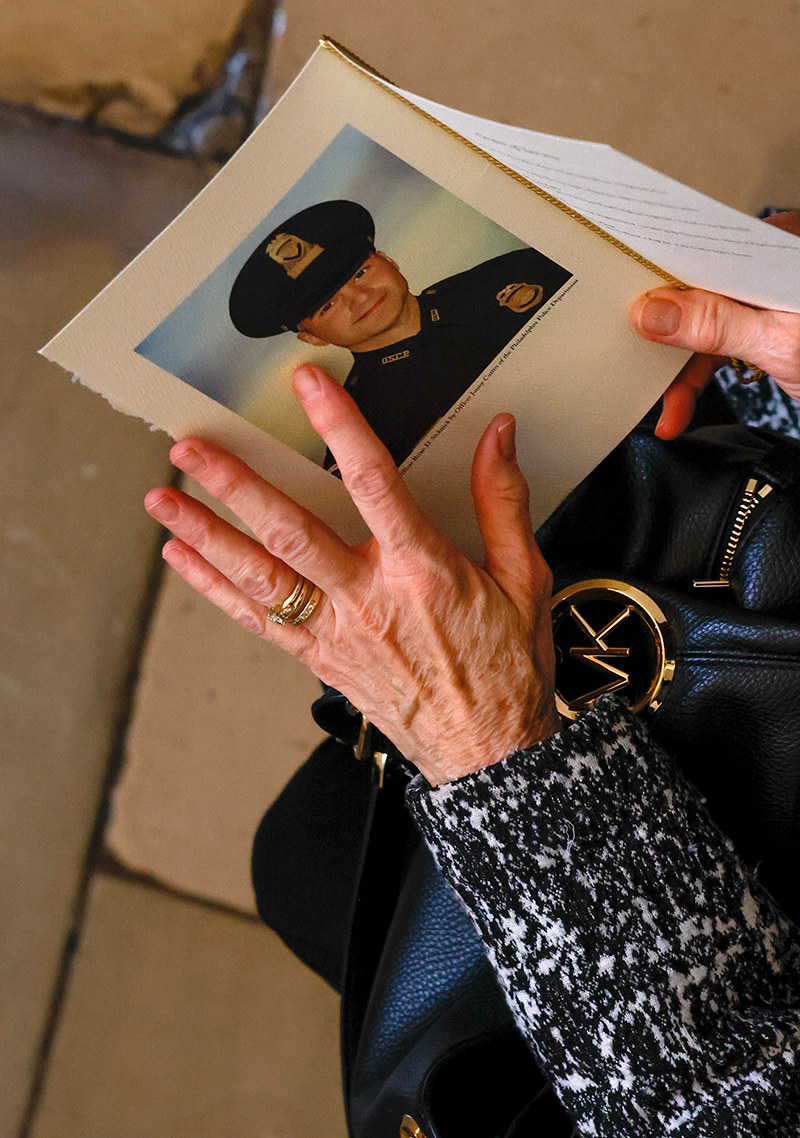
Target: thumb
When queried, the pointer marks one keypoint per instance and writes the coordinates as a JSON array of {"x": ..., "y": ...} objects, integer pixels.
[
  {"x": 501, "y": 497},
  {"x": 715, "y": 325}
]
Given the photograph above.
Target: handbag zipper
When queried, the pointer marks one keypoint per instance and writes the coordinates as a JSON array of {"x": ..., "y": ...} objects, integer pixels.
[{"x": 752, "y": 497}]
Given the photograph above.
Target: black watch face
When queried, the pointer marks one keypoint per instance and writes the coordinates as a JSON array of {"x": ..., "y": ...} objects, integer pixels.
[{"x": 609, "y": 637}]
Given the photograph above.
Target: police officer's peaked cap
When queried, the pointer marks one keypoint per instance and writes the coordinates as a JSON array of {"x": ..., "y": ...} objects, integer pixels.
[{"x": 299, "y": 266}]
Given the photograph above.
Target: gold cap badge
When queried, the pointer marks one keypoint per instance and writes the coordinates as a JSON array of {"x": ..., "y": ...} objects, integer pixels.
[
  {"x": 293, "y": 254},
  {"x": 520, "y": 297}
]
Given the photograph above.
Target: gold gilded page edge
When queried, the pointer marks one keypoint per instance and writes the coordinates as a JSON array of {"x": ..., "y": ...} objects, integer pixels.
[{"x": 380, "y": 80}]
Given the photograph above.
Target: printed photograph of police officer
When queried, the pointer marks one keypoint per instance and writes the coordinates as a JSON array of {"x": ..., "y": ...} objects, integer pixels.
[
  {"x": 323, "y": 276},
  {"x": 364, "y": 265}
]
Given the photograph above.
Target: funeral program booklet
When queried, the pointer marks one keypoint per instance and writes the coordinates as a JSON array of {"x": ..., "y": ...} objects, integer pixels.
[{"x": 442, "y": 266}]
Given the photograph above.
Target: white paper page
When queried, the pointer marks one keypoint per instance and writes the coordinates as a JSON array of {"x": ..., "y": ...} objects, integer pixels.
[
  {"x": 152, "y": 338},
  {"x": 695, "y": 238}
]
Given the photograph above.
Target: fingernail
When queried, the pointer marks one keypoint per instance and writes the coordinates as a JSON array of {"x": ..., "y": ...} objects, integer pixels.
[
  {"x": 660, "y": 317},
  {"x": 306, "y": 383},
  {"x": 506, "y": 440},
  {"x": 164, "y": 508},
  {"x": 173, "y": 555},
  {"x": 188, "y": 460}
]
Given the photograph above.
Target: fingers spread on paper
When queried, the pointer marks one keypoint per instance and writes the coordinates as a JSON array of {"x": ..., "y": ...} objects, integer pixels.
[
  {"x": 226, "y": 566},
  {"x": 367, "y": 470},
  {"x": 286, "y": 530},
  {"x": 452, "y": 662}
]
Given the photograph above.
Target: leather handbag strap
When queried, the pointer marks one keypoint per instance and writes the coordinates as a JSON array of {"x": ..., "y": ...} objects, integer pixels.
[
  {"x": 378, "y": 885},
  {"x": 422, "y": 1010}
]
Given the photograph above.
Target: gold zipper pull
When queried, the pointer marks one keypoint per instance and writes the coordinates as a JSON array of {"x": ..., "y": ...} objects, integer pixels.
[{"x": 751, "y": 498}]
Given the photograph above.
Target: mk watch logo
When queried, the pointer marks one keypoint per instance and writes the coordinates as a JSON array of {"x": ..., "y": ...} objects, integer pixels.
[
  {"x": 599, "y": 654},
  {"x": 609, "y": 637}
]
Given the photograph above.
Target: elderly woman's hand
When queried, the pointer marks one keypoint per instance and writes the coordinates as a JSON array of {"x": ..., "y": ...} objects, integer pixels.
[
  {"x": 452, "y": 662},
  {"x": 719, "y": 328}
]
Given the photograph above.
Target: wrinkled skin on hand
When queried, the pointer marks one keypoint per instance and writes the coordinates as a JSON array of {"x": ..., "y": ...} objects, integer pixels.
[
  {"x": 718, "y": 328},
  {"x": 453, "y": 662}
]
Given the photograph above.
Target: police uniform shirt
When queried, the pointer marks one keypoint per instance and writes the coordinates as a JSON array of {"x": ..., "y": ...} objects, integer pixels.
[{"x": 465, "y": 321}]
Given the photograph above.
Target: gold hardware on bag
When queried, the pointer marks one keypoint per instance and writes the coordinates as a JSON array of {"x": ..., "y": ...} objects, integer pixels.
[
  {"x": 613, "y": 628},
  {"x": 751, "y": 498},
  {"x": 363, "y": 749},
  {"x": 379, "y": 759},
  {"x": 364, "y": 738},
  {"x": 409, "y": 1128}
]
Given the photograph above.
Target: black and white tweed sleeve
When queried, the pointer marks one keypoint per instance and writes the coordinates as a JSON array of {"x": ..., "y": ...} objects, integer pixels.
[
  {"x": 761, "y": 403},
  {"x": 655, "y": 980}
]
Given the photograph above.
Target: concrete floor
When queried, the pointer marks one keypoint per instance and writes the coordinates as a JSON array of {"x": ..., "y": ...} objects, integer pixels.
[{"x": 180, "y": 1015}]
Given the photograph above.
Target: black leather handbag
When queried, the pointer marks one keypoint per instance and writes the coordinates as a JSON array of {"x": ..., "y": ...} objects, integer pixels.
[
  {"x": 677, "y": 571},
  {"x": 707, "y": 528}
]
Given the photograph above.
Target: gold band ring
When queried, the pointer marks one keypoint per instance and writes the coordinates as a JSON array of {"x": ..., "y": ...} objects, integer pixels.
[
  {"x": 311, "y": 604},
  {"x": 298, "y": 606}
]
